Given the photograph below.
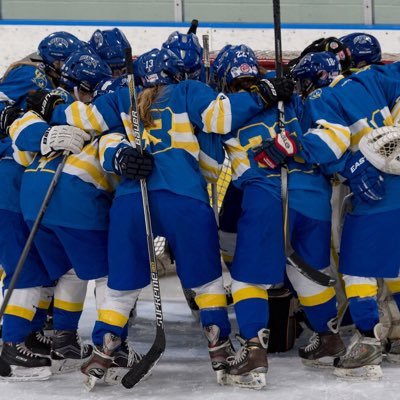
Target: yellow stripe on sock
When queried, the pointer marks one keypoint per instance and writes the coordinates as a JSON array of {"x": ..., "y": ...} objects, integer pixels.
[
  {"x": 44, "y": 304},
  {"x": 317, "y": 299},
  {"x": 20, "y": 312},
  {"x": 68, "y": 306},
  {"x": 363, "y": 290},
  {"x": 211, "y": 300},
  {"x": 393, "y": 285},
  {"x": 250, "y": 292},
  {"x": 112, "y": 317}
]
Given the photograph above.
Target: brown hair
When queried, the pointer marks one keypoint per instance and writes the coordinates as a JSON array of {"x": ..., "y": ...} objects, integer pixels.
[
  {"x": 244, "y": 83},
  {"x": 146, "y": 99}
]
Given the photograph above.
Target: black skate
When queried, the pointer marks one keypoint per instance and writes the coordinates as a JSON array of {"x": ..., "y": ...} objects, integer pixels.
[
  {"x": 68, "y": 352},
  {"x": 39, "y": 343},
  {"x": 362, "y": 361},
  {"x": 219, "y": 350},
  {"x": 100, "y": 360},
  {"x": 322, "y": 350},
  {"x": 249, "y": 366},
  {"x": 25, "y": 365},
  {"x": 125, "y": 358}
]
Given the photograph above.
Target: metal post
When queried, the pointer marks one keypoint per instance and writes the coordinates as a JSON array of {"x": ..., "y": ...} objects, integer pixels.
[
  {"x": 369, "y": 12},
  {"x": 178, "y": 10}
]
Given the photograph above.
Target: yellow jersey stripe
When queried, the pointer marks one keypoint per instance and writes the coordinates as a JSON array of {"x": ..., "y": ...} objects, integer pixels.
[
  {"x": 211, "y": 300},
  {"x": 362, "y": 290},
  {"x": 112, "y": 317},
  {"x": 317, "y": 299},
  {"x": 20, "y": 312},
  {"x": 67, "y": 305}
]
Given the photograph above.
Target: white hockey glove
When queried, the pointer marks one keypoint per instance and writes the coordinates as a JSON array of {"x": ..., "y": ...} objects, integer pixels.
[{"x": 63, "y": 138}]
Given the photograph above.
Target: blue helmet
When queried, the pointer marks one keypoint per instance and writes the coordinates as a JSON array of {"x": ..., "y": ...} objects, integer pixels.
[
  {"x": 110, "y": 45},
  {"x": 365, "y": 49},
  {"x": 159, "y": 67},
  {"x": 235, "y": 62},
  {"x": 110, "y": 85},
  {"x": 58, "y": 46},
  {"x": 316, "y": 70},
  {"x": 215, "y": 65},
  {"x": 83, "y": 70},
  {"x": 188, "y": 49}
]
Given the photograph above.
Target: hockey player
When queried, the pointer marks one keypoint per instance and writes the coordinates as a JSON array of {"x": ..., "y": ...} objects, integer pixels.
[
  {"x": 337, "y": 120},
  {"x": 259, "y": 260},
  {"x": 27, "y": 309},
  {"x": 169, "y": 111},
  {"x": 188, "y": 49},
  {"x": 364, "y": 48},
  {"x": 310, "y": 222},
  {"x": 75, "y": 226},
  {"x": 110, "y": 45}
]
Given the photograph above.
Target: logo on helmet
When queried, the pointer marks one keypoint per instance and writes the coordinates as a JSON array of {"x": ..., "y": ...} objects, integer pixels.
[
  {"x": 98, "y": 38},
  {"x": 59, "y": 42},
  {"x": 88, "y": 60}
]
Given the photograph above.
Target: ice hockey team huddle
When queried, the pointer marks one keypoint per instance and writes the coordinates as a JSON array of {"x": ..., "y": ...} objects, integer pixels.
[{"x": 67, "y": 110}]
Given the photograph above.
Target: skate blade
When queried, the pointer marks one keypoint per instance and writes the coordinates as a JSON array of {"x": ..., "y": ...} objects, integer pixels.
[
  {"x": 90, "y": 382},
  {"x": 322, "y": 363},
  {"x": 253, "y": 380},
  {"x": 22, "y": 374},
  {"x": 393, "y": 358},
  {"x": 367, "y": 372},
  {"x": 221, "y": 377},
  {"x": 67, "y": 365},
  {"x": 114, "y": 375}
]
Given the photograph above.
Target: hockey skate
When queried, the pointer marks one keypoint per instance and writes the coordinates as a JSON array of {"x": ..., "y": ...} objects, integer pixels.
[
  {"x": 25, "y": 365},
  {"x": 68, "y": 352},
  {"x": 125, "y": 359},
  {"x": 39, "y": 343},
  {"x": 100, "y": 360},
  {"x": 362, "y": 360},
  {"x": 219, "y": 350},
  {"x": 249, "y": 367},
  {"x": 323, "y": 348}
]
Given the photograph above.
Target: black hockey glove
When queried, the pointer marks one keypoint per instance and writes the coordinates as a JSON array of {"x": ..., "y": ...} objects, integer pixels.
[
  {"x": 128, "y": 162},
  {"x": 7, "y": 116},
  {"x": 273, "y": 90},
  {"x": 43, "y": 103}
]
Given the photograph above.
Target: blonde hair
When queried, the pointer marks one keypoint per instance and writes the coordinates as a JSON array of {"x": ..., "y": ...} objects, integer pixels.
[{"x": 146, "y": 99}]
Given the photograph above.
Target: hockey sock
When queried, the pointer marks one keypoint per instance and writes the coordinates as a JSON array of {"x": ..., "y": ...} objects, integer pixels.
[
  {"x": 251, "y": 307},
  {"x": 216, "y": 316},
  {"x": 319, "y": 315},
  {"x": 364, "y": 312}
]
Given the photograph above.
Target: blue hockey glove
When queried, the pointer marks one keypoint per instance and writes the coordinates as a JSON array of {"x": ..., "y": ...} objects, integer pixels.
[{"x": 365, "y": 181}]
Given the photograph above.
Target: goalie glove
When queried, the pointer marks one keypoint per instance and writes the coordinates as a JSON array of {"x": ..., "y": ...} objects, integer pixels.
[
  {"x": 130, "y": 163},
  {"x": 365, "y": 181},
  {"x": 381, "y": 147},
  {"x": 271, "y": 91},
  {"x": 63, "y": 138},
  {"x": 7, "y": 116},
  {"x": 272, "y": 152},
  {"x": 43, "y": 102}
]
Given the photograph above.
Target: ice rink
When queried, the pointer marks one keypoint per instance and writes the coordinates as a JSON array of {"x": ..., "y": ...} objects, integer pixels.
[{"x": 184, "y": 372}]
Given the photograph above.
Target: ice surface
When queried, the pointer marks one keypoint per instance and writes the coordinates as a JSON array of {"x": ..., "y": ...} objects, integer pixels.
[{"x": 185, "y": 373}]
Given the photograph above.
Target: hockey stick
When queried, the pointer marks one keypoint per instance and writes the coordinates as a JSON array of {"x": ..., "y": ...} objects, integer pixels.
[
  {"x": 293, "y": 259},
  {"x": 149, "y": 360},
  {"x": 193, "y": 26},
  {"x": 28, "y": 245},
  {"x": 206, "y": 61}
]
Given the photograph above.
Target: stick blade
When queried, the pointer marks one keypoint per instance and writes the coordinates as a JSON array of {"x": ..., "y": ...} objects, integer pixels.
[
  {"x": 147, "y": 363},
  {"x": 313, "y": 274}
]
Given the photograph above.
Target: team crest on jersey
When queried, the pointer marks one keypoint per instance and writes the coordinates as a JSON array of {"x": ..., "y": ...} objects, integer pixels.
[
  {"x": 316, "y": 94},
  {"x": 40, "y": 79}
]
